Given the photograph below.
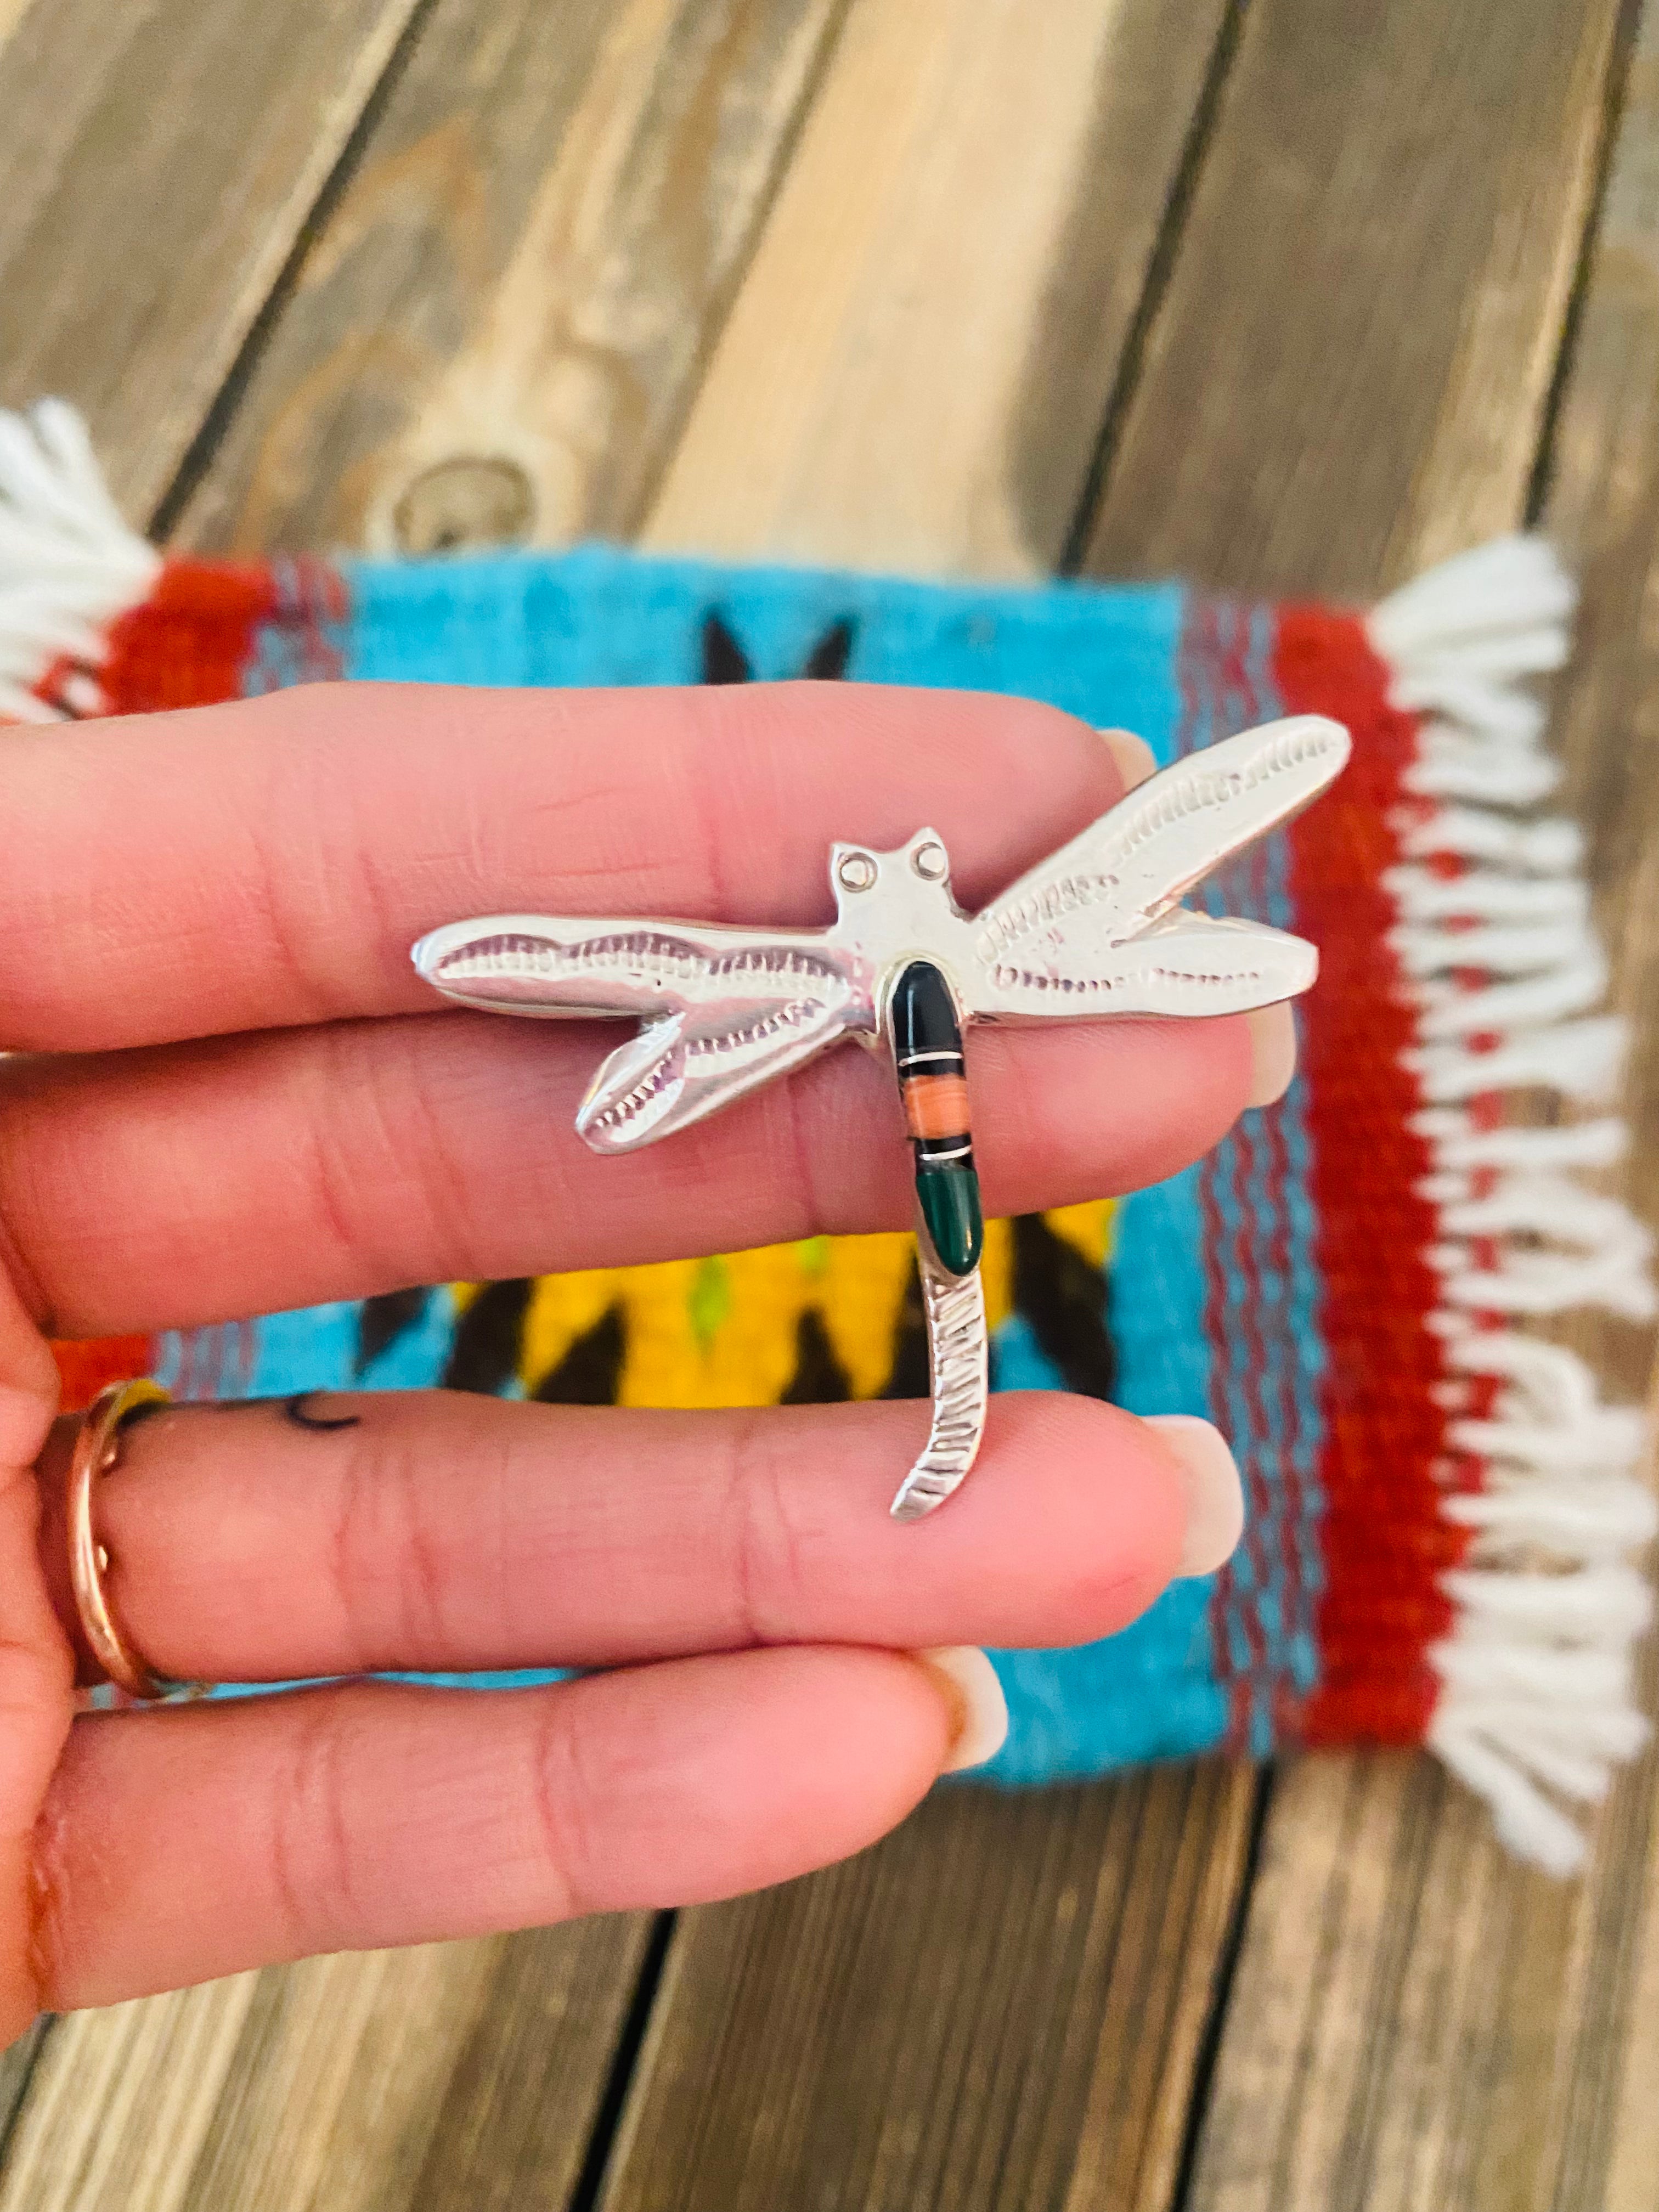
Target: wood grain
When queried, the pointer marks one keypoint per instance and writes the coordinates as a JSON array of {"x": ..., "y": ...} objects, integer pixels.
[
  {"x": 1347, "y": 375},
  {"x": 457, "y": 2075},
  {"x": 16, "y": 2069},
  {"x": 159, "y": 161},
  {"x": 1603, "y": 507},
  {"x": 385, "y": 2080},
  {"x": 495, "y": 335},
  {"x": 519, "y": 2112},
  {"x": 12, "y": 13},
  {"x": 1612, "y": 2137},
  {"x": 914, "y": 371},
  {"x": 977, "y": 2013},
  {"x": 1412, "y": 2015},
  {"x": 121, "y": 2099}
]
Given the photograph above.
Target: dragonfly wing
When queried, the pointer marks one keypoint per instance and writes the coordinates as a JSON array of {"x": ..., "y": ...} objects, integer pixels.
[
  {"x": 541, "y": 964},
  {"x": 1071, "y": 917},
  {"x": 723, "y": 1009},
  {"x": 679, "y": 1069},
  {"x": 1183, "y": 964},
  {"x": 1188, "y": 963}
]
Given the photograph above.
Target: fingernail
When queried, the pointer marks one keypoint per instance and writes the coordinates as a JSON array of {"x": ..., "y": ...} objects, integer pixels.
[
  {"x": 970, "y": 1682},
  {"x": 1215, "y": 1497},
  {"x": 1273, "y": 1043},
  {"x": 1135, "y": 758}
]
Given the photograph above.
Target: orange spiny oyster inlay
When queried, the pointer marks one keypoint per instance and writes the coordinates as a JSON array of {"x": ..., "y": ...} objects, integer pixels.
[{"x": 936, "y": 1105}]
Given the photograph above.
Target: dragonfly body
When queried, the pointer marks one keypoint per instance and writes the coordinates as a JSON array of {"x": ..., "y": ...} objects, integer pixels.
[
  {"x": 933, "y": 1075},
  {"x": 1096, "y": 929}
]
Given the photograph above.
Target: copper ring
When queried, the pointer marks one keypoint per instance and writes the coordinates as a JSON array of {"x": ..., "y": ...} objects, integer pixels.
[{"x": 97, "y": 1449}]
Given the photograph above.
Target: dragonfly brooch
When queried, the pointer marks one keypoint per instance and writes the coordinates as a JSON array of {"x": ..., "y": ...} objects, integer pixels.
[{"x": 1098, "y": 929}]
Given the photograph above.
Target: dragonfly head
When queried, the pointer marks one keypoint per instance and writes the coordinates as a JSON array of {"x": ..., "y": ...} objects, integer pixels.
[
  {"x": 889, "y": 904},
  {"x": 917, "y": 875}
]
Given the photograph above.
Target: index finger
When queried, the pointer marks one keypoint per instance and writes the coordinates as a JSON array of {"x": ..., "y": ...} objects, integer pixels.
[{"x": 270, "y": 861}]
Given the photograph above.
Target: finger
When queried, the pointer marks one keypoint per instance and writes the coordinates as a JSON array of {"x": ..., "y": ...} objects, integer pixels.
[
  {"x": 186, "y": 1844},
  {"x": 37, "y": 1670},
  {"x": 240, "y": 1175},
  {"x": 271, "y": 861},
  {"x": 439, "y": 1531}
]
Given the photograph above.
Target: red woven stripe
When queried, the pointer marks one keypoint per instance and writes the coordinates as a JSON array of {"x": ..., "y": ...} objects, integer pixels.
[
  {"x": 83, "y": 1368},
  {"x": 1383, "y": 1539},
  {"x": 1242, "y": 1187},
  {"x": 189, "y": 643}
]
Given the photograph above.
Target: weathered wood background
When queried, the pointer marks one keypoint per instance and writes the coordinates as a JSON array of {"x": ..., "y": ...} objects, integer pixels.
[{"x": 1286, "y": 294}]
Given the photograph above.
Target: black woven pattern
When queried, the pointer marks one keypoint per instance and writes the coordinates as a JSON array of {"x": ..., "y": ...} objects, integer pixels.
[
  {"x": 489, "y": 1338},
  {"x": 1064, "y": 1300},
  {"x": 590, "y": 1374},
  {"x": 819, "y": 1378},
  {"x": 382, "y": 1320}
]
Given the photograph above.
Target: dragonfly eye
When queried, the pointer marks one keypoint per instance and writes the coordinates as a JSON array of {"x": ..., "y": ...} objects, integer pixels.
[
  {"x": 855, "y": 871},
  {"x": 931, "y": 861}
]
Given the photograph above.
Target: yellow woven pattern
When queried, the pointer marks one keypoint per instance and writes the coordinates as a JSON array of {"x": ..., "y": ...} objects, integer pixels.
[{"x": 724, "y": 1332}]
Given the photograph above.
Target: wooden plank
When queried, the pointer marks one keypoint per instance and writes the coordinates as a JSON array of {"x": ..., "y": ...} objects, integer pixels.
[
  {"x": 1293, "y": 425},
  {"x": 1346, "y": 377},
  {"x": 333, "y": 2084},
  {"x": 12, "y": 13},
  {"x": 120, "y": 2100},
  {"x": 977, "y": 2013},
  {"x": 520, "y": 2111},
  {"x": 1603, "y": 507},
  {"x": 16, "y": 2069},
  {"x": 914, "y": 371},
  {"x": 1611, "y": 2136},
  {"x": 1415, "y": 2021},
  {"x": 159, "y": 161},
  {"x": 457, "y": 2075},
  {"x": 497, "y": 331}
]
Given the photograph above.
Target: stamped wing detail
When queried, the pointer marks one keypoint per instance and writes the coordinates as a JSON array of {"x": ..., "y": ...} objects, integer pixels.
[
  {"x": 1098, "y": 928},
  {"x": 723, "y": 1009}
]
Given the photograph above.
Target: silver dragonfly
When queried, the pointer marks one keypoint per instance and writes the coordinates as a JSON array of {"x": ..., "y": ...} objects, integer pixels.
[{"x": 1098, "y": 929}]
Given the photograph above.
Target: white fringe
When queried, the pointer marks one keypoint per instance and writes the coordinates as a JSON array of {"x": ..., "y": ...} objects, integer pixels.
[
  {"x": 1537, "y": 1702},
  {"x": 69, "y": 563}
]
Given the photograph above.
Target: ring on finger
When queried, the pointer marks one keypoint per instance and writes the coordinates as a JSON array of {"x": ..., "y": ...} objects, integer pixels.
[{"x": 97, "y": 1452}]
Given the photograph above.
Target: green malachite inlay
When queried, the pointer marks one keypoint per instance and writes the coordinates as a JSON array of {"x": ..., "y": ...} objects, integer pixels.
[{"x": 950, "y": 1208}]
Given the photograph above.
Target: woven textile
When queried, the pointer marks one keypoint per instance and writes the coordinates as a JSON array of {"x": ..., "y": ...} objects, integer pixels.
[{"x": 1438, "y": 1507}]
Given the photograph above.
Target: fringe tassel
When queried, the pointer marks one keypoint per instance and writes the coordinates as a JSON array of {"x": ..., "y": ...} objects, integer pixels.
[
  {"x": 1537, "y": 1697},
  {"x": 69, "y": 566}
]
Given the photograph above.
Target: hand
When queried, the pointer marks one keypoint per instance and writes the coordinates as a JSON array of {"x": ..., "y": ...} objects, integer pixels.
[{"x": 233, "y": 1095}]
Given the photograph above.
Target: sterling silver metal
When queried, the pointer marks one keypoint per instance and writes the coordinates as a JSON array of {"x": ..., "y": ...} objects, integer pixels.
[
  {"x": 1096, "y": 929},
  {"x": 959, "y": 1364}
]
